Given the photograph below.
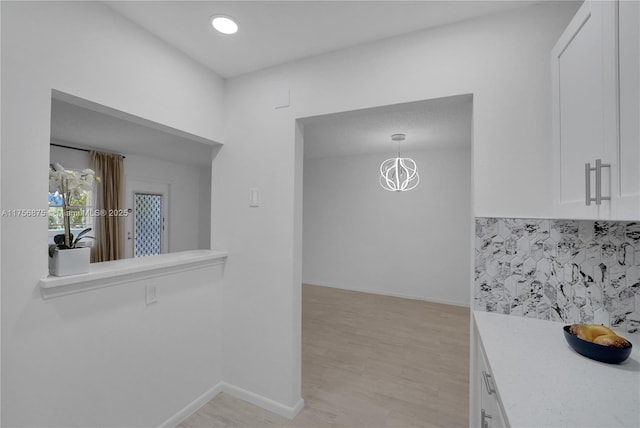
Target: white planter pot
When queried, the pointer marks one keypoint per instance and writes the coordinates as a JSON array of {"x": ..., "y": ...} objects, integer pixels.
[{"x": 70, "y": 262}]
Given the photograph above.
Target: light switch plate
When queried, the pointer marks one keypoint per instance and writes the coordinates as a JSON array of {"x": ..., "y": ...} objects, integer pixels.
[{"x": 254, "y": 197}]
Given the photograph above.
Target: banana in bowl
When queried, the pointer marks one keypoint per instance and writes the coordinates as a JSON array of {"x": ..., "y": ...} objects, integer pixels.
[{"x": 597, "y": 342}]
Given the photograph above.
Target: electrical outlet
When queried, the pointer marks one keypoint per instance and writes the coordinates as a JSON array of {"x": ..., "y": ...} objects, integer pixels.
[{"x": 151, "y": 294}]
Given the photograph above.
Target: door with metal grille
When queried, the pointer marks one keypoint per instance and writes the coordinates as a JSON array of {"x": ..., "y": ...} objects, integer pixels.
[{"x": 148, "y": 224}]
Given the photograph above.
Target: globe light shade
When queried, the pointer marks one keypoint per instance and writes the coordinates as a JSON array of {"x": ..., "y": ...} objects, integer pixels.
[{"x": 399, "y": 174}]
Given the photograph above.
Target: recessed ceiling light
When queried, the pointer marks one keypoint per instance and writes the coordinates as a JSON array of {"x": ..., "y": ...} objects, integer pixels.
[{"x": 224, "y": 24}]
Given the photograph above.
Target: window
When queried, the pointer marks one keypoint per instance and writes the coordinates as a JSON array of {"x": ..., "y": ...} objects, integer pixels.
[{"x": 80, "y": 217}]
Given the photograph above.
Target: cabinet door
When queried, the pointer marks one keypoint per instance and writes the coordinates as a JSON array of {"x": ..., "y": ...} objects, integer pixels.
[
  {"x": 582, "y": 107},
  {"x": 628, "y": 194},
  {"x": 490, "y": 411}
]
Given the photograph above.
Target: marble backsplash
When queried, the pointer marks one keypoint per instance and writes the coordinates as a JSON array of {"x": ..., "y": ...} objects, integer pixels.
[{"x": 563, "y": 270}]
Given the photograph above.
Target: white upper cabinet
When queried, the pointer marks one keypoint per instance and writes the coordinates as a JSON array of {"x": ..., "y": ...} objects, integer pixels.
[
  {"x": 628, "y": 190},
  {"x": 595, "y": 113}
]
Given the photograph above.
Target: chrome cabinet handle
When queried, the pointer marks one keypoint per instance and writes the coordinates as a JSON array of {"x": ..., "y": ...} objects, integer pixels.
[
  {"x": 484, "y": 422},
  {"x": 488, "y": 383},
  {"x": 587, "y": 182},
  {"x": 599, "y": 166},
  {"x": 587, "y": 179}
]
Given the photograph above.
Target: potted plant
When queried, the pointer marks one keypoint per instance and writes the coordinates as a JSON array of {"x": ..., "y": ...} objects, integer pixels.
[{"x": 66, "y": 257}]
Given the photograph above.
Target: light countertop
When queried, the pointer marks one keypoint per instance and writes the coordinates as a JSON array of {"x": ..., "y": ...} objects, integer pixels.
[{"x": 542, "y": 382}]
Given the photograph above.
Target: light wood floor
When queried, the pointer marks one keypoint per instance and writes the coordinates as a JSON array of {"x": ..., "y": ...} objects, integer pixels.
[{"x": 368, "y": 361}]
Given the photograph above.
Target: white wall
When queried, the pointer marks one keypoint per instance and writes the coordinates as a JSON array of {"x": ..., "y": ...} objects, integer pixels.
[
  {"x": 68, "y": 158},
  {"x": 204, "y": 209},
  {"x": 187, "y": 204},
  {"x": 503, "y": 60},
  {"x": 84, "y": 49},
  {"x": 358, "y": 236},
  {"x": 100, "y": 358}
]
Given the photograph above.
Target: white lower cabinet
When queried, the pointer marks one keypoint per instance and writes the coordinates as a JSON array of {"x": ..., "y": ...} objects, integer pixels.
[
  {"x": 490, "y": 415},
  {"x": 523, "y": 374}
]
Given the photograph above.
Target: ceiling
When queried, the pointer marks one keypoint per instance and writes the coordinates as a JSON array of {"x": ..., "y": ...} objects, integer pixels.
[
  {"x": 277, "y": 32},
  {"x": 82, "y": 127},
  {"x": 432, "y": 124}
]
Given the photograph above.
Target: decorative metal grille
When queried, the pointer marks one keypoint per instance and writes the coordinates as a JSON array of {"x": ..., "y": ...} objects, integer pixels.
[{"x": 148, "y": 224}]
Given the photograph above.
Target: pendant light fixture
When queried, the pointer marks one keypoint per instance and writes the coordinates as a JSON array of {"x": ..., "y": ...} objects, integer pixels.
[{"x": 399, "y": 174}]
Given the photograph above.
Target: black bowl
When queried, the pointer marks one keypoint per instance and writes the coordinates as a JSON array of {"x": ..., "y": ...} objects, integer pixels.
[{"x": 606, "y": 354}]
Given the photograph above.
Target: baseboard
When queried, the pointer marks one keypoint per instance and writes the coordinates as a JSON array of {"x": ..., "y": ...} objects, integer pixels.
[
  {"x": 264, "y": 402},
  {"x": 242, "y": 394},
  {"x": 192, "y": 407},
  {"x": 391, "y": 294}
]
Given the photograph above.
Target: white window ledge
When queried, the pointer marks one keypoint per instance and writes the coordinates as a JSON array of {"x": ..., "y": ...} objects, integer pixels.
[{"x": 107, "y": 274}]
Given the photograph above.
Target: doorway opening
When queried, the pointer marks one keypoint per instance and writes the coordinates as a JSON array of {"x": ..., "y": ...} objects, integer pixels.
[{"x": 364, "y": 247}]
